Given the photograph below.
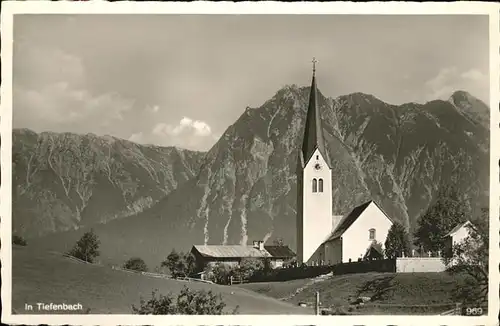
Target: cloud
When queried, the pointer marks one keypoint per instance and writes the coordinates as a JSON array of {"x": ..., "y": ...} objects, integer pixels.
[
  {"x": 154, "y": 109},
  {"x": 187, "y": 133},
  {"x": 185, "y": 126},
  {"x": 474, "y": 75},
  {"x": 451, "y": 79},
  {"x": 50, "y": 92},
  {"x": 137, "y": 138}
]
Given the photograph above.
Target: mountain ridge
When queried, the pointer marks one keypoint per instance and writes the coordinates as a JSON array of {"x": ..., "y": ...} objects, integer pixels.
[
  {"x": 245, "y": 185},
  {"x": 77, "y": 180}
]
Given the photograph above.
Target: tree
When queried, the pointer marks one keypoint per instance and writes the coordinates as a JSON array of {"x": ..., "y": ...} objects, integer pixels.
[
  {"x": 449, "y": 210},
  {"x": 219, "y": 273},
  {"x": 188, "y": 302},
  {"x": 247, "y": 267},
  {"x": 87, "y": 248},
  {"x": 179, "y": 264},
  {"x": 470, "y": 257},
  {"x": 279, "y": 242},
  {"x": 136, "y": 264},
  {"x": 18, "y": 240},
  {"x": 397, "y": 241}
]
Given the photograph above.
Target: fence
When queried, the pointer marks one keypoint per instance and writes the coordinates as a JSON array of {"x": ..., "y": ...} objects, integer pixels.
[
  {"x": 292, "y": 273},
  {"x": 365, "y": 266},
  {"x": 236, "y": 280}
]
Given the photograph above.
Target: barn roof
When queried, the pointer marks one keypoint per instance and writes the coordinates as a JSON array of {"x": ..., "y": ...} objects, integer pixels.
[
  {"x": 280, "y": 251},
  {"x": 349, "y": 219},
  {"x": 231, "y": 251}
]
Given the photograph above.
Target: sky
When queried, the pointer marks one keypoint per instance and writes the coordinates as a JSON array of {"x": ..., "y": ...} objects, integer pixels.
[{"x": 181, "y": 80}]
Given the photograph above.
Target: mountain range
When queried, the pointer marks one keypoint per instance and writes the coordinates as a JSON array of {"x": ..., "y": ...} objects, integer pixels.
[{"x": 145, "y": 200}]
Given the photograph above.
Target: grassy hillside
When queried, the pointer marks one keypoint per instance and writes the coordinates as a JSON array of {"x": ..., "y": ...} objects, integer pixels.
[
  {"x": 391, "y": 293},
  {"x": 106, "y": 291}
]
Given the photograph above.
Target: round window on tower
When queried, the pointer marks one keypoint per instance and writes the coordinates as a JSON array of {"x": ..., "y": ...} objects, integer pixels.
[{"x": 317, "y": 166}]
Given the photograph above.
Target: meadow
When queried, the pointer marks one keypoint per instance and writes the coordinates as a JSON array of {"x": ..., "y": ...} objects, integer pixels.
[
  {"x": 48, "y": 277},
  {"x": 390, "y": 293}
]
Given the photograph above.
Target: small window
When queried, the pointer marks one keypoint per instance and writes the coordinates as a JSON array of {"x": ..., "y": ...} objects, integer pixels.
[
  {"x": 372, "y": 234},
  {"x": 315, "y": 185},
  {"x": 320, "y": 185},
  {"x": 317, "y": 157}
]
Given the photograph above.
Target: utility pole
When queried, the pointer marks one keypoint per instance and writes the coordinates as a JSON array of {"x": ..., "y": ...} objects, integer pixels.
[{"x": 316, "y": 306}]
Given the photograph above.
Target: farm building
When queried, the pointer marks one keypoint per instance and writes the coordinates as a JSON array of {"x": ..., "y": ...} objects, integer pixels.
[{"x": 233, "y": 254}]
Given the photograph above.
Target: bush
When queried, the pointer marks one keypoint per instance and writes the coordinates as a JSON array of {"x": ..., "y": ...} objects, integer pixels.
[
  {"x": 188, "y": 302},
  {"x": 18, "y": 240},
  {"x": 248, "y": 267},
  {"x": 179, "y": 264},
  {"x": 136, "y": 264},
  {"x": 87, "y": 248},
  {"x": 219, "y": 273}
]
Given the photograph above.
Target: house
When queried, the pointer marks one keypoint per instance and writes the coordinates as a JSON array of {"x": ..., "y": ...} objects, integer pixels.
[
  {"x": 458, "y": 234},
  {"x": 206, "y": 255},
  {"x": 280, "y": 255},
  {"x": 322, "y": 237}
]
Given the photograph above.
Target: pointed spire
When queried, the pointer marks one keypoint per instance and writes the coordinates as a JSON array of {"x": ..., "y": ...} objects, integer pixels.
[{"x": 313, "y": 132}]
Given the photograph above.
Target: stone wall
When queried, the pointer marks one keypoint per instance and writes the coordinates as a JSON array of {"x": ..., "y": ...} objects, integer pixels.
[{"x": 420, "y": 265}]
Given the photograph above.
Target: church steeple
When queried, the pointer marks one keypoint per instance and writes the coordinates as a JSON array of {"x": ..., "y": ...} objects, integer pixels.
[{"x": 313, "y": 132}]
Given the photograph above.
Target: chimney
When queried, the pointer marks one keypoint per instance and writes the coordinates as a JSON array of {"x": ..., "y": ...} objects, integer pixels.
[{"x": 258, "y": 245}]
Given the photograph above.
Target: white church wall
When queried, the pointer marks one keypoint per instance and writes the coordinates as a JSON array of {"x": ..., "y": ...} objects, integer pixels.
[
  {"x": 317, "y": 207},
  {"x": 356, "y": 240},
  {"x": 333, "y": 252}
]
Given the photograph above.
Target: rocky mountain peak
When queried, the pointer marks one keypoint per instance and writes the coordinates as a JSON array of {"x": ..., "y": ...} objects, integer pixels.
[
  {"x": 245, "y": 187},
  {"x": 471, "y": 107}
]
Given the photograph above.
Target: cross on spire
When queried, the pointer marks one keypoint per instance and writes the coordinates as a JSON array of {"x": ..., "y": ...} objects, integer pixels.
[{"x": 314, "y": 64}]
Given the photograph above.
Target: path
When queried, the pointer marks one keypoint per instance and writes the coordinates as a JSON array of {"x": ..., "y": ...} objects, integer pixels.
[{"x": 315, "y": 280}]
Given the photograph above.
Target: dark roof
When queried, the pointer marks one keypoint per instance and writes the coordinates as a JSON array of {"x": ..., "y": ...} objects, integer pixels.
[
  {"x": 376, "y": 248},
  {"x": 347, "y": 221},
  {"x": 313, "y": 131},
  {"x": 280, "y": 251}
]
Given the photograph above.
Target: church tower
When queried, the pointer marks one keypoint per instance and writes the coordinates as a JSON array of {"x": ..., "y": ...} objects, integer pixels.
[{"x": 314, "y": 184}]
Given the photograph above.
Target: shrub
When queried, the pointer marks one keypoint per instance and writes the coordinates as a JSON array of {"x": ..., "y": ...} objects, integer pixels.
[
  {"x": 188, "y": 302},
  {"x": 248, "y": 267},
  {"x": 179, "y": 264},
  {"x": 219, "y": 273},
  {"x": 18, "y": 240},
  {"x": 136, "y": 264},
  {"x": 87, "y": 248}
]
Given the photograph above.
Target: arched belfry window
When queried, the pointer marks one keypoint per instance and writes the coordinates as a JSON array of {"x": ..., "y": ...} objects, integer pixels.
[
  {"x": 315, "y": 185},
  {"x": 320, "y": 185},
  {"x": 372, "y": 234}
]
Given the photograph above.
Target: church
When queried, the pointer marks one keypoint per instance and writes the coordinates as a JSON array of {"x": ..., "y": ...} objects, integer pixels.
[{"x": 323, "y": 238}]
